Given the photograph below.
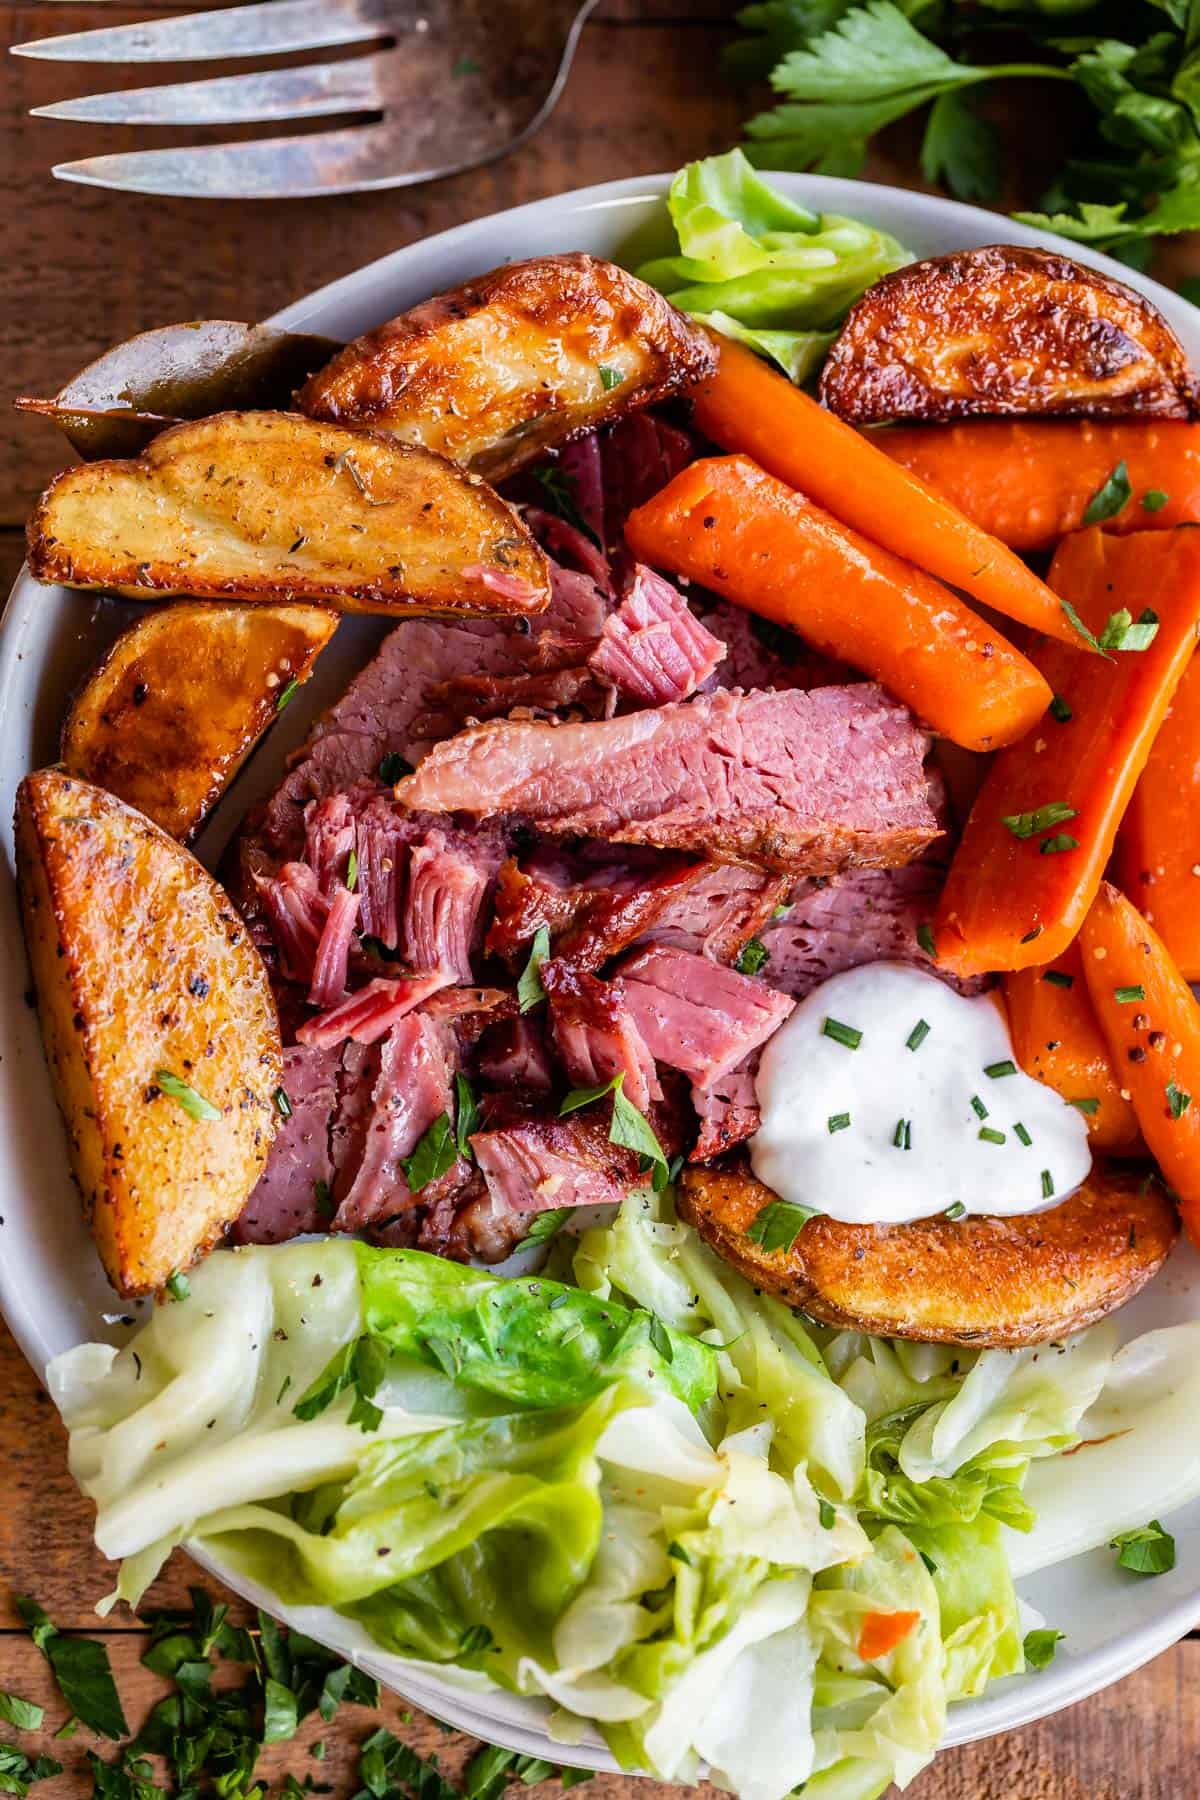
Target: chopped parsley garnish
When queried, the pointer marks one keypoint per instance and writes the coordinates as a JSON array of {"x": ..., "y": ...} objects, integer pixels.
[
  {"x": 352, "y": 871},
  {"x": 1021, "y": 1134},
  {"x": 545, "y": 1226},
  {"x": 918, "y": 1034},
  {"x": 660, "y": 1338},
  {"x": 324, "y": 1200},
  {"x": 283, "y": 1105},
  {"x": 980, "y": 1110},
  {"x": 778, "y": 1224},
  {"x": 1060, "y": 710},
  {"x": 989, "y": 1135},
  {"x": 435, "y": 1153},
  {"x": 1059, "y": 978},
  {"x": 178, "y": 1285},
  {"x": 1088, "y": 1106},
  {"x": 956, "y": 1211},
  {"x": 474, "y": 1640},
  {"x": 998, "y": 1069},
  {"x": 82, "y": 1670},
  {"x": 466, "y": 1114},
  {"x": 679, "y": 1554},
  {"x": 1123, "y": 995},
  {"x": 358, "y": 1367},
  {"x": 558, "y": 489},
  {"x": 466, "y": 65},
  {"x": 609, "y": 377},
  {"x": 26, "y": 1715},
  {"x": 1177, "y": 1100},
  {"x": 193, "y": 1104},
  {"x": 19, "y": 1772},
  {"x": 1109, "y": 499},
  {"x": 629, "y": 1128},
  {"x": 826, "y": 1512},
  {"x": 1039, "y": 1647},
  {"x": 838, "y": 1122},
  {"x": 848, "y": 1035},
  {"x": 286, "y": 694},
  {"x": 393, "y": 767},
  {"x": 1147, "y": 1551},
  {"x": 530, "y": 992},
  {"x": 1028, "y": 824},
  {"x": 1047, "y": 1184},
  {"x": 1073, "y": 619},
  {"x": 902, "y": 1136},
  {"x": 1154, "y": 499},
  {"x": 1121, "y": 633},
  {"x": 925, "y": 940},
  {"x": 752, "y": 957},
  {"x": 1053, "y": 846}
]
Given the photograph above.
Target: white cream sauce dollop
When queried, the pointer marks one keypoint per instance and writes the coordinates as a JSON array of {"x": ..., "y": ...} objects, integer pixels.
[{"x": 908, "y": 1122}]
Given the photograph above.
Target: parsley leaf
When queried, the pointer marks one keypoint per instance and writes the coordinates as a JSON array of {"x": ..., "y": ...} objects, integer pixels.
[
  {"x": 778, "y": 1224},
  {"x": 558, "y": 497},
  {"x": 193, "y": 1104},
  {"x": 753, "y": 957},
  {"x": 18, "y": 1772},
  {"x": 530, "y": 992},
  {"x": 545, "y": 1226},
  {"x": 436, "y": 1152},
  {"x": 1147, "y": 1551},
  {"x": 82, "y": 1671},
  {"x": 961, "y": 149},
  {"x": 633, "y": 1131},
  {"x": 1029, "y": 824},
  {"x": 360, "y": 1366},
  {"x": 1110, "y": 497},
  {"x": 26, "y": 1715},
  {"x": 1040, "y": 1646},
  {"x": 466, "y": 1114}
]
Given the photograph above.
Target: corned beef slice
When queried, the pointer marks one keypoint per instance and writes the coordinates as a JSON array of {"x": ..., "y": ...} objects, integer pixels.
[
  {"x": 512, "y": 1054},
  {"x": 285, "y": 1200},
  {"x": 697, "y": 1016},
  {"x": 796, "y": 782},
  {"x": 474, "y": 697},
  {"x": 296, "y": 911},
  {"x": 413, "y": 1087},
  {"x": 441, "y": 905},
  {"x": 653, "y": 649},
  {"x": 717, "y": 914},
  {"x": 331, "y": 965},
  {"x": 534, "y": 1162},
  {"x": 595, "y": 1033},
  {"x": 591, "y": 912},
  {"x": 372, "y": 1010}
]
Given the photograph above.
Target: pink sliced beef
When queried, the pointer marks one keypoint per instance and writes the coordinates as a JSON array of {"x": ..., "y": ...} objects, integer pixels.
[
  {"x": 287, "y": 1199},
  {"x": 595, "y": 1033},
  {"x": 331, "y": 965},
  {"x": 442, "y": 901},
  {"x": 513, "y": 1054},
  {"x": 719, "y": 913},
  {"x": 575, "y": 688},
  {"x": 759, "y": 654},
  {"x": 638, "y": 456},
  {"x": 795, "y": 782},
  {"x": 697, "y": 1016},
  {"x": 413, "y": 1088},
  {"x": 535, "y": 1161},
  {"x": 371, "y": 1011},
  {"x": 653, "y": 648},
  {"x": 591, "y": 911}
]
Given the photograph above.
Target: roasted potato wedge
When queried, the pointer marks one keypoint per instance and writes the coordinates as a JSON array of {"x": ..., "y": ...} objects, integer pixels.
[
  {"x": 158, "y": 1023},
  {"x": 269, "y": 506},
  {"x": 979, "y": 1281},
  {"x": 1004, "y": 331},
  {"x": 168, "y": 717},
  {"x": 118, "y": 403},
  {"x": 531, "y": 355}
]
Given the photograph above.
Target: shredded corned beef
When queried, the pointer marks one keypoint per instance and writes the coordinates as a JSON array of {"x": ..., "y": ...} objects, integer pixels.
[
  {"x": 413, "y": 1088},
  {"x": 653, "y": 648},
  {"x": 591, "y": 912},
  {"x": 595, "y": 1034},
  {"x": 697, "y": 1016},
  {"x": 295, "y": 908},
  {"x": 719, "y": 913},
  {"x": 513, "y": 1054},
  {"x": 367, "y": 1014},
  {"x": 441, "y": 905},
  {"x": 331, "y": 965}
]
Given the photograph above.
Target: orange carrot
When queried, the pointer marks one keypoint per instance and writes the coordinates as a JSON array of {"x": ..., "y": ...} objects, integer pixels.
[
  {"x": 882, "y": 1631},
  {"x": 1023, "y": 877},
  {"x": 1056, "y": 1039},
  {"x": 1030, "y": 481},
  {"x": 747, "y": 406},
  {"x": 1151, "y": 1020},
  {"x": 730, "y": 525},
  {"x": 1158, "y": 846}
]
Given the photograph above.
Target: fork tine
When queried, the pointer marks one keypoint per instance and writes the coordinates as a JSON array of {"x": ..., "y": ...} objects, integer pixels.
[
  {"x": 305, "y": 93},
  {"x": 326, "y": 162},
  {"x": 266, "y": 29}
]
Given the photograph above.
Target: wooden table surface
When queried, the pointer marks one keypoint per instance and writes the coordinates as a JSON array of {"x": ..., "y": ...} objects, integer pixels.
[{"x": 83, "y": 269}]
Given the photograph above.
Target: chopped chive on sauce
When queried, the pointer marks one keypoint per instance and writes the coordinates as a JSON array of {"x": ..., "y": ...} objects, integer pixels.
[
  {"x": 842, "y": 1034},
  {"x": 1047, "y": 1184},
  {"x": 838, "y": 1122},
  {"x": 979, "y": 1109},
  {"x": 1088, "y": 1106},
  {"x": 1059, "y": 978},
  {"x": 918, "y": 1034},
  {"x": 997, "y": 1069},
  {"x": 902, "y": 1136},
  {"x": 1022, "y": 1136},
  {"x": 1123, "y": 995},
  {"x": 957, "y": 1211},
  {"x": 989, "y": 1136},
  {"x": 1060, "y": 710},
  {"x": 609, "y": 377}
]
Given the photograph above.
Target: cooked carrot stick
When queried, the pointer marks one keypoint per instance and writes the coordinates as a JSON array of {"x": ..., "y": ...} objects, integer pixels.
[
  {"x": 1158, "y": 846},
  {"x": 747, "y": 406},
  {"x": 1030, "y": 481},
  {"x": 1056, "y": 1039},
  {"x": 1152, "y": 1023},
  {"x": 727, "y": 523},
  {"x": 1042, "y": 829}
]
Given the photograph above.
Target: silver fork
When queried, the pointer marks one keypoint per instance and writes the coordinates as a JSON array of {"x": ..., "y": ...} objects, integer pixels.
[{"x": 457, "y": 83}]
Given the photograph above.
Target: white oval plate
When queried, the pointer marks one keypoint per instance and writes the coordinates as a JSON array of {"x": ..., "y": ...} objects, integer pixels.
[{"x": 52, "y": 1291}]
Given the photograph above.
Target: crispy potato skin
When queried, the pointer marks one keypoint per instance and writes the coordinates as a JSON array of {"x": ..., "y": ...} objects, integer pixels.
[
  {"x": 140, "y": 963},
  {"x": 1004, "y": 331},
  {"x": 261, "y": 506},
  {"x": 166, "y": 720},
  {"x": 978, "y": 1281},
  {"x": 496, "y": 371}
]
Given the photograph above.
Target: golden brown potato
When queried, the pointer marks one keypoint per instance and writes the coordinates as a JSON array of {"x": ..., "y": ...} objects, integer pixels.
[
  {"x": 167, "y": 719},
  {"x": 158, "y": 1023},
  {"x": 985, "y": 1281},
  {"x": 531, "y": 355},
  {"x": 269, "y": 506},
  {"x": 1004, "y": 331}
]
